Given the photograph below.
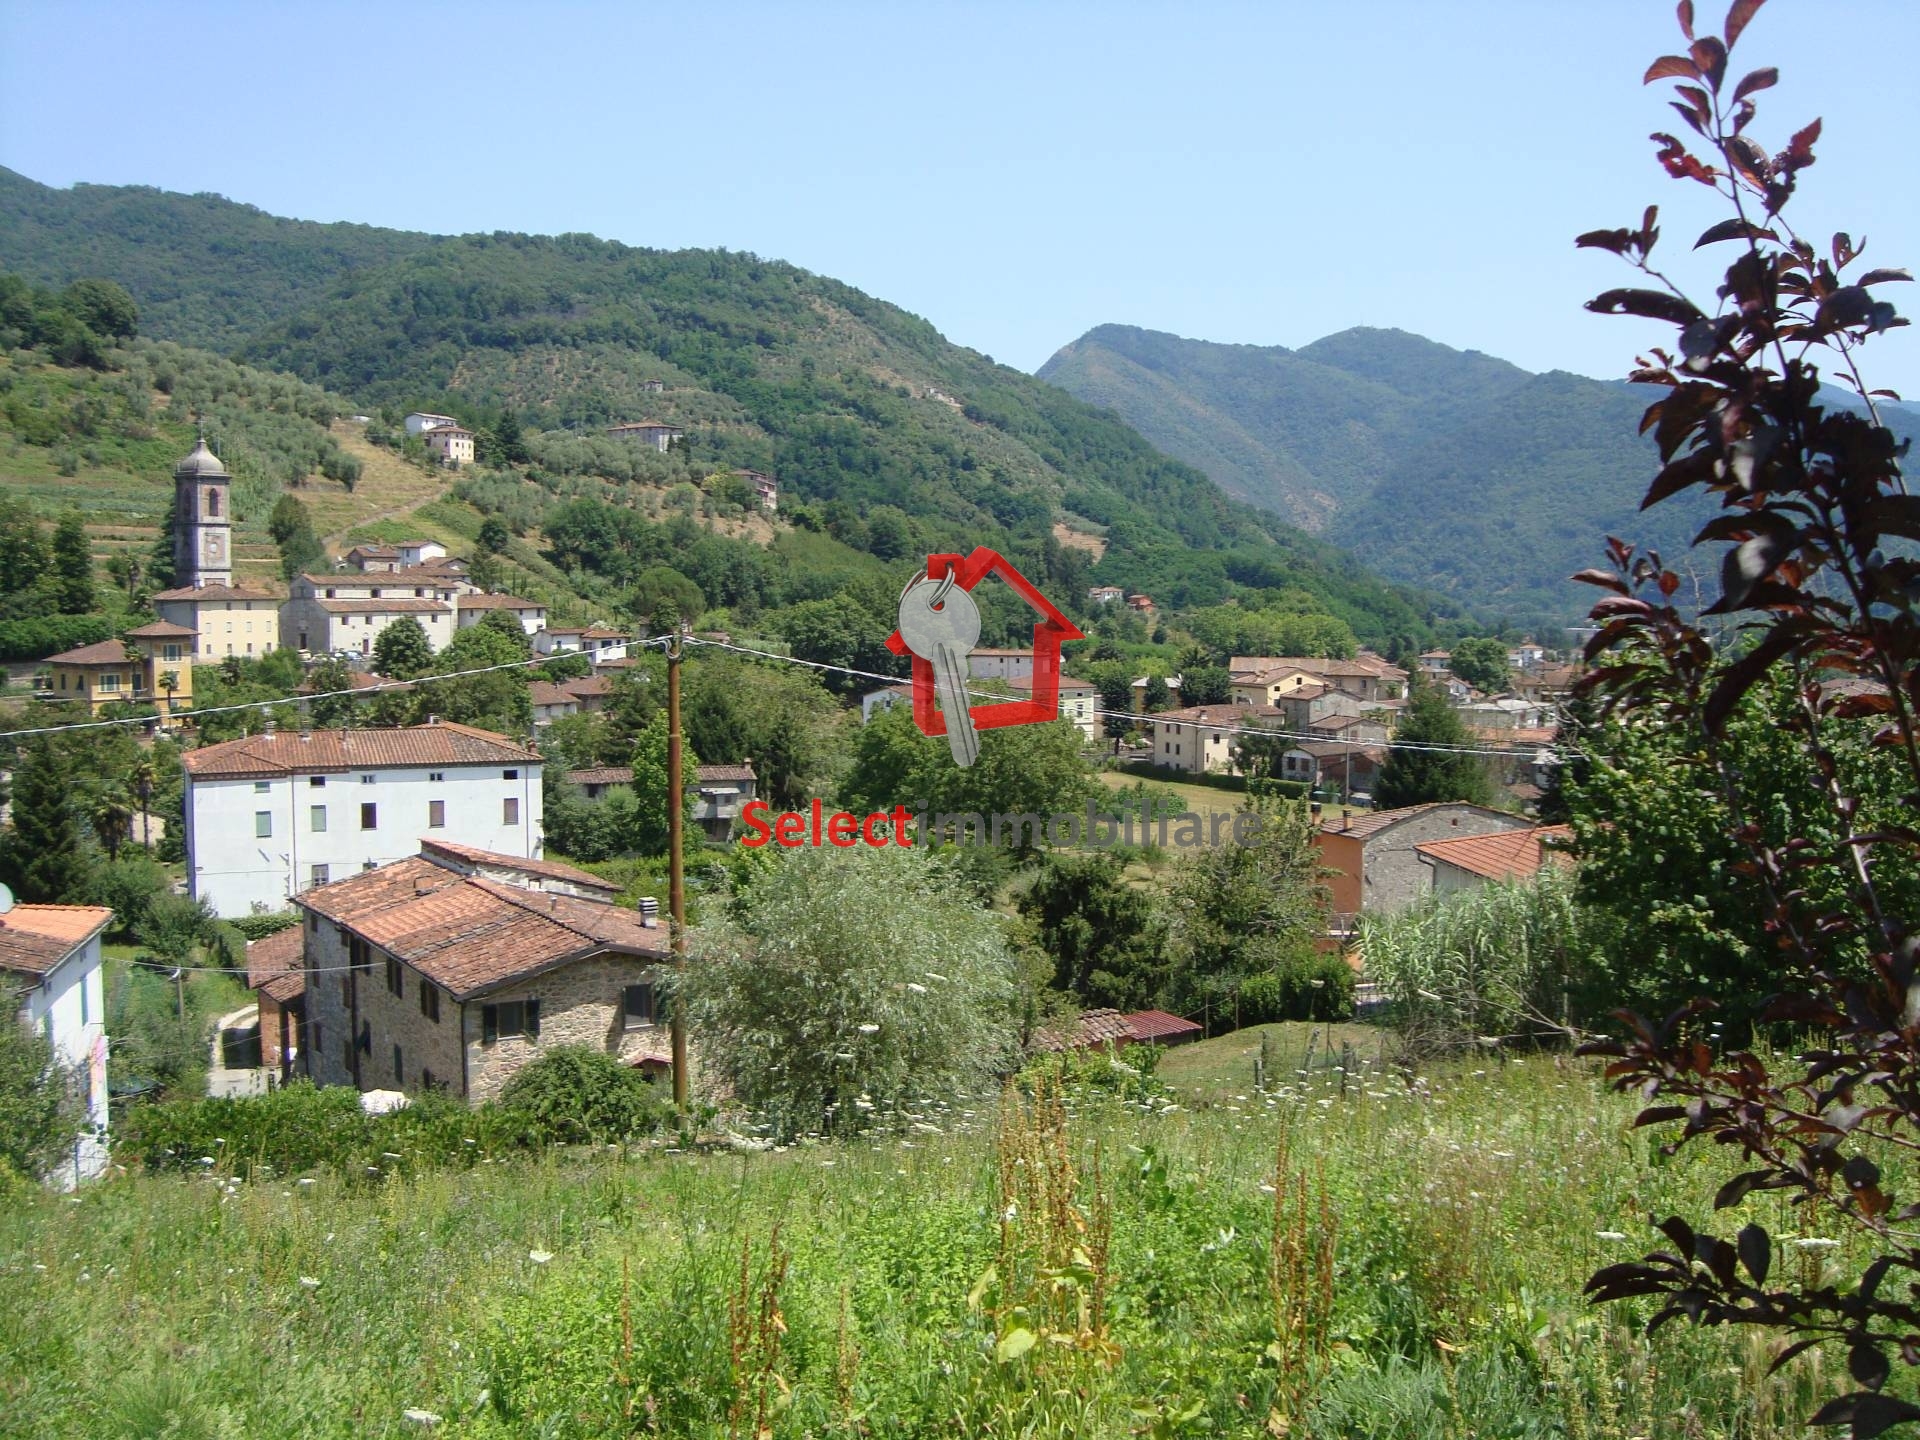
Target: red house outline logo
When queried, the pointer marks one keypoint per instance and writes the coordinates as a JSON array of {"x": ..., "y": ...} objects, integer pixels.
[{"x": 1051, "y": 632}]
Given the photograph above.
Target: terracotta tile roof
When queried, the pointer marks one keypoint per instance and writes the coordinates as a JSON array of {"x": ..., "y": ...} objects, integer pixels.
[
  {"x": 470, "y": 935},
  {"x": 260, "y": 757},
  {"x": 162, "y": 630},
  {"x": 545, "y": 692},
  {"x": 602, "y": 775},
  {"x": 362, "y": 680},
  {"x": 463, "y": 855},
  {"x": 377, "y": 552},
  {"x": 588, "y": 686},
  {"x": 1068, "y": 685},
  {"x": 1007, "y": 654},
  {"x": 1347, "y": 669},
  {"x": 1365, "y": 827},
  {"x": 1159, "y": 1025},
  {"x": 1094, "y": 1027},
  {"x": 276, "y": 966},
  {"x": 1508, "y": 855},
  {"x": 498, "y": 602},
  {"x": 1334, "y": 749},
  {"x": 398, "y": 605},
  {"x": 1227, "y": 716},
  {"x": 641, "y": 425},
  {"x": 214, "y": 593},
  {"x": 1334, "y": 723},
  {"x": 723, "y": 774},
  {"x": 34, "y": 939},
  {"x": 107, "y": 652}
]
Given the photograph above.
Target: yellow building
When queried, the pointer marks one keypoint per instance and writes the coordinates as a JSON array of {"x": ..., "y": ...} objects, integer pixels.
[
  {"x": 226, "y": 619},
  {"x": 151, "y": 665}
]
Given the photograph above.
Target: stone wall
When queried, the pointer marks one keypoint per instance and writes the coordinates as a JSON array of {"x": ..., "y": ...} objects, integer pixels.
[
  {"x": 1395, "y": 876},
  {"x": 580, "y": 1004}
]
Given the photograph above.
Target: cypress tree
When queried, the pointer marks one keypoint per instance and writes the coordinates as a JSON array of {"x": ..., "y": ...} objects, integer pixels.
[
  {"x": 73, "y": 565},
  {"x": 1418, "y": 776},
  {"x": 45, "y": 864}
]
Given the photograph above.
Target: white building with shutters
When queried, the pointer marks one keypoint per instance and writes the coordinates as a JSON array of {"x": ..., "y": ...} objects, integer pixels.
[
  {"x": 50, "y": 957},
  {"x": 271, "y": 816}
]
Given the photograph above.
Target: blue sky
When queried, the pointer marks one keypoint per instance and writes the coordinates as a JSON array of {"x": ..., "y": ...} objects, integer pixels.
[{"x": 1258, "y": 173}]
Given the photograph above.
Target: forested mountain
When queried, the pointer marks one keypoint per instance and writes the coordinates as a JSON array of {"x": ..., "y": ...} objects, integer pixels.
[
  {"x": 1440, "y": 468},
  {"x": 852, "y": 402}
]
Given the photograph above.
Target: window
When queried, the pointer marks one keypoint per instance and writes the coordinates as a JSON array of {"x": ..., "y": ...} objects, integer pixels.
[
  {"x": 396, "y": 979},
  {"x": 318, "y": 875},
  {"x": 510, "y": 811},
  {"x": 369, "y": 817},
  {"x": 171, "y": 652},
  {"x": 359, "y": 953},
  {"x": 317, "y": 782},
  {"x": 330, "y": 594},
  {"x": 508, "y": 1019},
  {"x": 213, "y": 504},
  {"x": 436, "y": 776},
  {"x": 366, "y": 779},
  {"x": 436, "y": 814},
  {"x": 399, "y": 1075},
  {"x": 426, "y": 1079},
  {"x": 430, "y": 1000},
  {"x": 314, "y": 1037},
  {"x": 110, "y": 681},
  {"x": 638, "y": 1004},
  {"x": 509, "y": 774},
  {"x": 318, "y": 814},
  {"x": 262, "y": 824},
  {"x": 260, "y": 787}
]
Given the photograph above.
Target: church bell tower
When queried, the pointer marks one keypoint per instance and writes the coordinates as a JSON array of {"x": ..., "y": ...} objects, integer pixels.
[{"x": 203, "y": 522}]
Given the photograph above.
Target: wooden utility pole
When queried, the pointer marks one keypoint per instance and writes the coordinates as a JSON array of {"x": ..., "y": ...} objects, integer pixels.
[{"x": 676, "y": 871}]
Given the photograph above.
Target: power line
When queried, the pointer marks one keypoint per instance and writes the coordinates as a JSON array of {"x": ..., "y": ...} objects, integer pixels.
[
  {"x": 1256, "y": 731},
  {"x": 1264, "y": 732},
  {"x": 355, "y": 692}
]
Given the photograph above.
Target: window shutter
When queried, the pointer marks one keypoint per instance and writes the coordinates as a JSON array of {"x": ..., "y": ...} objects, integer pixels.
[
  {"x": 489, "y": 1024},
  {"x": 533, "y": 1019}
]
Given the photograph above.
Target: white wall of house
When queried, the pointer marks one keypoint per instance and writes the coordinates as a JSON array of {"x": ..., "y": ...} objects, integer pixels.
[
  {"x": 423, "y": 420},
  {"x": 238, "y": 869},
  {"x": 308, "y": 625},
  {"x": 419, "y": 552},
  {"x": 1191, "y": 748},
  {"x": 1000, "y": 664},
  {"x": 69, "y": 1006},
  {"x": 533, "y": 619}
]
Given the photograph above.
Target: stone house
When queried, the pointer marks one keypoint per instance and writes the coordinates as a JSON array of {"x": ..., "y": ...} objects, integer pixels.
[
  {"x": 1376, "y": 867},
  {"x": 276, "y": 973},
  {"x": 1466, "y": 862},
  {"x": 452, "y": 969},
  {"x": 653, "y": 434}
]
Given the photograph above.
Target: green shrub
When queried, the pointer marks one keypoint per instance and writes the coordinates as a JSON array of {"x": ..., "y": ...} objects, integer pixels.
[
  {"x": 576, "y": 1095},
  {"x": 1316, "y": 987},
  {"x": 259, "y": 927}
]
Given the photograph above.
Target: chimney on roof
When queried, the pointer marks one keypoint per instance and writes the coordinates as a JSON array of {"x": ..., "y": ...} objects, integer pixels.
[
  {"x": 649, "y": 910},
  {"x": 305, "y": 735},
  {"x": 433, "y": 719}
]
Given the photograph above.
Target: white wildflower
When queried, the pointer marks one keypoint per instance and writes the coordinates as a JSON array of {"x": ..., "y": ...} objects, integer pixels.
[
  {"x": 309, "y": 1282},
  {"x": 941, "y": 978},
  {"x": 916, "y": 988},
  {"x": 1614, "y": 1235},
  {"x": 423, "y": 1418},
  {"x": 539, "y": 1257},
  {"x": 869, "y": 1029}
]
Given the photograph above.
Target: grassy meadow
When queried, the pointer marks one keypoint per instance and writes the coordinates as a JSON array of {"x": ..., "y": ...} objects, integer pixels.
[{"x": 1345, "y": 1255}]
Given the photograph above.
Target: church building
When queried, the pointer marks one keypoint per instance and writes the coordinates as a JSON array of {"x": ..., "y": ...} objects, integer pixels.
[{"x": 225, "y": 618}]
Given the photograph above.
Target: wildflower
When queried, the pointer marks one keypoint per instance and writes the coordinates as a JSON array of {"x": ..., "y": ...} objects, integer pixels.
[
  {"x": 916, "y": 988},
  {"x": 309, "y": 1282},
  {"x": 423, "y": 1418},
  {"x": 1609, "y": 1235},
  {"x": 206, "y": 1159},
  {"x": 388, "y": 1155},
  {"x": 869, "y": 1029},
  {"x": 304, "y": 1182},
  {"x": 1811, "y": 1243},
  {"x": 941, "y": 978},
  {"x": 539, "y": 1257}
]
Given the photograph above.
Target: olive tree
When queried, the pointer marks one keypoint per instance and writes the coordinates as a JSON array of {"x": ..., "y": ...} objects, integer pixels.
[{"x": 843, "y": 985}]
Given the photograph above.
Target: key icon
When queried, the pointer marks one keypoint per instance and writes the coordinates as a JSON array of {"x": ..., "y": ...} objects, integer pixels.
[{"x": 941, "y": 624}]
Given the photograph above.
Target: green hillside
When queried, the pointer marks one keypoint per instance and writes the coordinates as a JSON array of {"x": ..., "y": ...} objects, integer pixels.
[
  {"x": 206, "y": 271},
  {"x": 855, "y": 404},
  {"x": 1439, "y": 468}
]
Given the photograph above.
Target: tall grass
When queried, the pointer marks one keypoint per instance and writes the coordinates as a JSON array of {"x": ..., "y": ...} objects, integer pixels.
[
  {"x": 1505, "y": 959},
  {"x": 1411, "y": 1267}
]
